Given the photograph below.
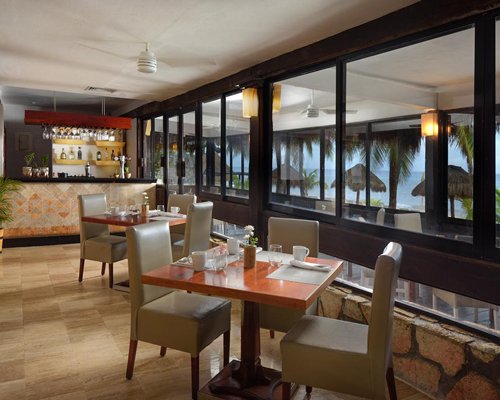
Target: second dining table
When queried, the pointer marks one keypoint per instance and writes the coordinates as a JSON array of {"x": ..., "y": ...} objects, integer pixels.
[{"x": 247, "y": 378}]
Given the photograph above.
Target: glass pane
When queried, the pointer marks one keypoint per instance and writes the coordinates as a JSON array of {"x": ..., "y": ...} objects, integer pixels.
[
  {"x": 395, "y": 112},
  {"x": 173, "y": 154},
  {"x": 497, "y": 135},
  {"x": 158, "y": 148},
  {"x": 147, "y": 126},
  {"x": 471, "y": 312},
  {"x": 189, "y": 147},
  {"x": 237, "y": 148},
  {"x": 211, "y": 147},
  {"x": 304, "y": 141}
]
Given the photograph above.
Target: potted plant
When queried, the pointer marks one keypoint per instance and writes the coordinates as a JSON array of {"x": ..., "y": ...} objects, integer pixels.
[
  {"x": 28, "y": 159},
  {"x": 250, "y": 249},
  {"x": 44, "y": 169},
  {"x": 7, "y": 187}
]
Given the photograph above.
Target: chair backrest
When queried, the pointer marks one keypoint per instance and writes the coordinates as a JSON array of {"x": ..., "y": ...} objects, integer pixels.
[
  {"x": 408, "y": 221},
  {"x": 91, "y": 204},
  {"x": 198, "y": 227},
  {"x": 148, "y": 248},
  {"x": 290, "y": 232},
  {"x": 380, "y": 325},
  {"x": 183, "y": 201},
  {"x": 380, "y": 216}
]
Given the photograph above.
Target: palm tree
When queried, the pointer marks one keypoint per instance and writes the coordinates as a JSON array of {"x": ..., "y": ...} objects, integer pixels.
[
  {"x": 310, "y": 180},
  {"x": 400, "y": 148}
]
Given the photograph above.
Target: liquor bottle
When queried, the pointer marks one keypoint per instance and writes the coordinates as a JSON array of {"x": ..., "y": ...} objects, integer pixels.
[
  {"x": 98, "y": 155},
  {"x": 63, "y": 154},
  {"x": 113, "y": 155},
  {"x": 87, "y": 169},
  {"x": 79, "y": 154},
  {"x": 71, "y": 154},
  {"x": 105, "y": 154}
]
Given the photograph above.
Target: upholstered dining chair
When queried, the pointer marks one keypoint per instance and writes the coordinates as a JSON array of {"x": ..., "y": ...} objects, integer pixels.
[
  {"x": 289, "y": 232},
  {"x": 380, "y": 219},
  {"x": 183, "y": 201},
  {"x": 186, "y": 322},
  {"x": 408, "y": 222},
  {"x": 198, "y": 229},
  {"x": 96, "y": 243},
  {"x": 344, "y": 356}
]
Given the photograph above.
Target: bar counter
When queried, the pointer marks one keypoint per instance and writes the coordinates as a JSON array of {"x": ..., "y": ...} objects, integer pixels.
[{"x": 47, "y": 207}]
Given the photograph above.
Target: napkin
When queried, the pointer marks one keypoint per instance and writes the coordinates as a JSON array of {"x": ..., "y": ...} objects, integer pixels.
[
  {"x": 154, "y": 213},
  {"x": 184, "y": 262},
  {"x": 173, "y": 215},
  {"x": 311, "y": 266}
]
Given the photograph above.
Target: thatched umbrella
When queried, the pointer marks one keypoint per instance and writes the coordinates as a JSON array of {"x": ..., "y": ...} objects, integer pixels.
[
  {"x": 459, "y": 185},
  {"x": 288, "y": 173},
  {"x": 355, "y": 179}
]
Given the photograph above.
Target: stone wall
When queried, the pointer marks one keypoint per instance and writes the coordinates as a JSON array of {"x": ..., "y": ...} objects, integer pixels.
[
  {"x": 51, "y": 208},
  {"x": 441, "y": 360}
]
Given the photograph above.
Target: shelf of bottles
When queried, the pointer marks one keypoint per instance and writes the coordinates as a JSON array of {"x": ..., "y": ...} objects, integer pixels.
[{"x": 85, "y": 146}]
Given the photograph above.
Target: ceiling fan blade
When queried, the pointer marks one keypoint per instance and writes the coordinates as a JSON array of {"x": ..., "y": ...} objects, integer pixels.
[
  {"x": 332, "y": 111},
  {"x": 186, "y": 62},
  {"x": 108, "y": 53}
]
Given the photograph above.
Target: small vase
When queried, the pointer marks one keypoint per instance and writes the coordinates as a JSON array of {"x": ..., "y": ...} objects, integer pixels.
[
  {"x": 145, "y": 210},
  {"x": 249, "y": 256}
]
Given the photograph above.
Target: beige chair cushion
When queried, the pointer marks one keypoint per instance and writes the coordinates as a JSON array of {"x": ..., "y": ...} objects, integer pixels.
[
  {"x": 327, "y": 353},
  {"x": 185, "y": 321},
  {"x": 108, "y": 248},
  {"x": 289, "y": 232},
  {"x": 344, "y": 356}
]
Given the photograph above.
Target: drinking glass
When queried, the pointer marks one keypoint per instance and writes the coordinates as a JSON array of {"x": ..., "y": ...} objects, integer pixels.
[
  {"x": 160, "y": 207},
  {"x": 275, "y": 254}
]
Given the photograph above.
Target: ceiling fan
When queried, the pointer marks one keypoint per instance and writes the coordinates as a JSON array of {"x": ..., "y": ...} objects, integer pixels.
[
  {"x": 312, "y": 111},
  {"x": 147, "y": 62}
]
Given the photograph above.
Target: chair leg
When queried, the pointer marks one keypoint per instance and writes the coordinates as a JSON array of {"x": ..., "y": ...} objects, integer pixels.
[
  {"x": 103, "y": 268},
  {"x": 132, "y": 349},
  {"x": 227, "y": 339},
  {"x": 391, "y": 384},
  {"x": 285, "y": 390},
  {"x": 80, "y": 274},
  {"x": 163, "y": 351},
  {"x": 195, "y": 377},
  {"x": 111, "y": 275},
  {"x": 271, "y": 334},
  {"x": 309, "y": 389}
]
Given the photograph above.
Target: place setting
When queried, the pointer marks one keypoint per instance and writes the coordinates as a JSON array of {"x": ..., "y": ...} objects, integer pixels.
[{"x": 294, "y": 267}]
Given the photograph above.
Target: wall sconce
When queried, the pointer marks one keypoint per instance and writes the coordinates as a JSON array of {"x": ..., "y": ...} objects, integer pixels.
[
  {"x": 276, "y": 97},
  {"x": 250, "y": 102},
  {"x": 429, "y": 124},
  {"x": 147, "y": 130}
]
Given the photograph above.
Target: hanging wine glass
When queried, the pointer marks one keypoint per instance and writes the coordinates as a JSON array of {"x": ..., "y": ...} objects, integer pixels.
[{"x": 45, "y": 134}]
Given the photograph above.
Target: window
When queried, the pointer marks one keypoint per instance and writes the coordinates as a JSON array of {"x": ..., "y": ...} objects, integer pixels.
[
  {"x": 398, "y": 106},
  {"x": 189, "y": 152},
  {"x": 173, "y": 154},
  {"x": 303, "y": 159},
  {"x": 237, "y": 148},
  {"x": 211, "y": 146},
  {"x": 158, "y": 148}
]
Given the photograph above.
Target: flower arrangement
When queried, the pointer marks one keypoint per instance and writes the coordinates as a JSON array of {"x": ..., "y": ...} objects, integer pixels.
[
  {"x": 145, "y": 198},
  {"x": 252, "y": 240}
]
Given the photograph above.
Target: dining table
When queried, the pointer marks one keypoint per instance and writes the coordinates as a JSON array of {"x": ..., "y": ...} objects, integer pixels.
[
  {"x": 131, "y": 219},
  {"x": 125, "y": 219},
  {"x": 263, "y": 284}
]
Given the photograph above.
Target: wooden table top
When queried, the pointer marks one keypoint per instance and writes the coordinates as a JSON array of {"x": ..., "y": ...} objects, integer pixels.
[
  {"x": 129, "y": 220},
  {"x": 245, "y": 284}
]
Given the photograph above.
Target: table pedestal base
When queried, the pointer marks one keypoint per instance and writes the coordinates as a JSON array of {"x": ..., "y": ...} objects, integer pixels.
[{"x": 224, "y": 386}]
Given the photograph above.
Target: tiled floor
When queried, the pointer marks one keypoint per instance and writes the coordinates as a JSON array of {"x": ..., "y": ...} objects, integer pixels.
[{"x": 63, "y": 340}]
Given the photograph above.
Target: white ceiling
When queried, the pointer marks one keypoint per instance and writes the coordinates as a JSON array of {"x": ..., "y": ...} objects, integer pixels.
[{"x": 68, "y": 45}]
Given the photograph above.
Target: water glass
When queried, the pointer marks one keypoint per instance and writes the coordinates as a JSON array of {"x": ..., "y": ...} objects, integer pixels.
[
  {"x": 160, "y": 207},
  {"x": 275, "y": 254}
]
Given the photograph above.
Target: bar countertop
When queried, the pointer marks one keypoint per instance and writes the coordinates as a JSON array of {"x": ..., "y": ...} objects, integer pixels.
[{"x": 82, "y": 179}]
